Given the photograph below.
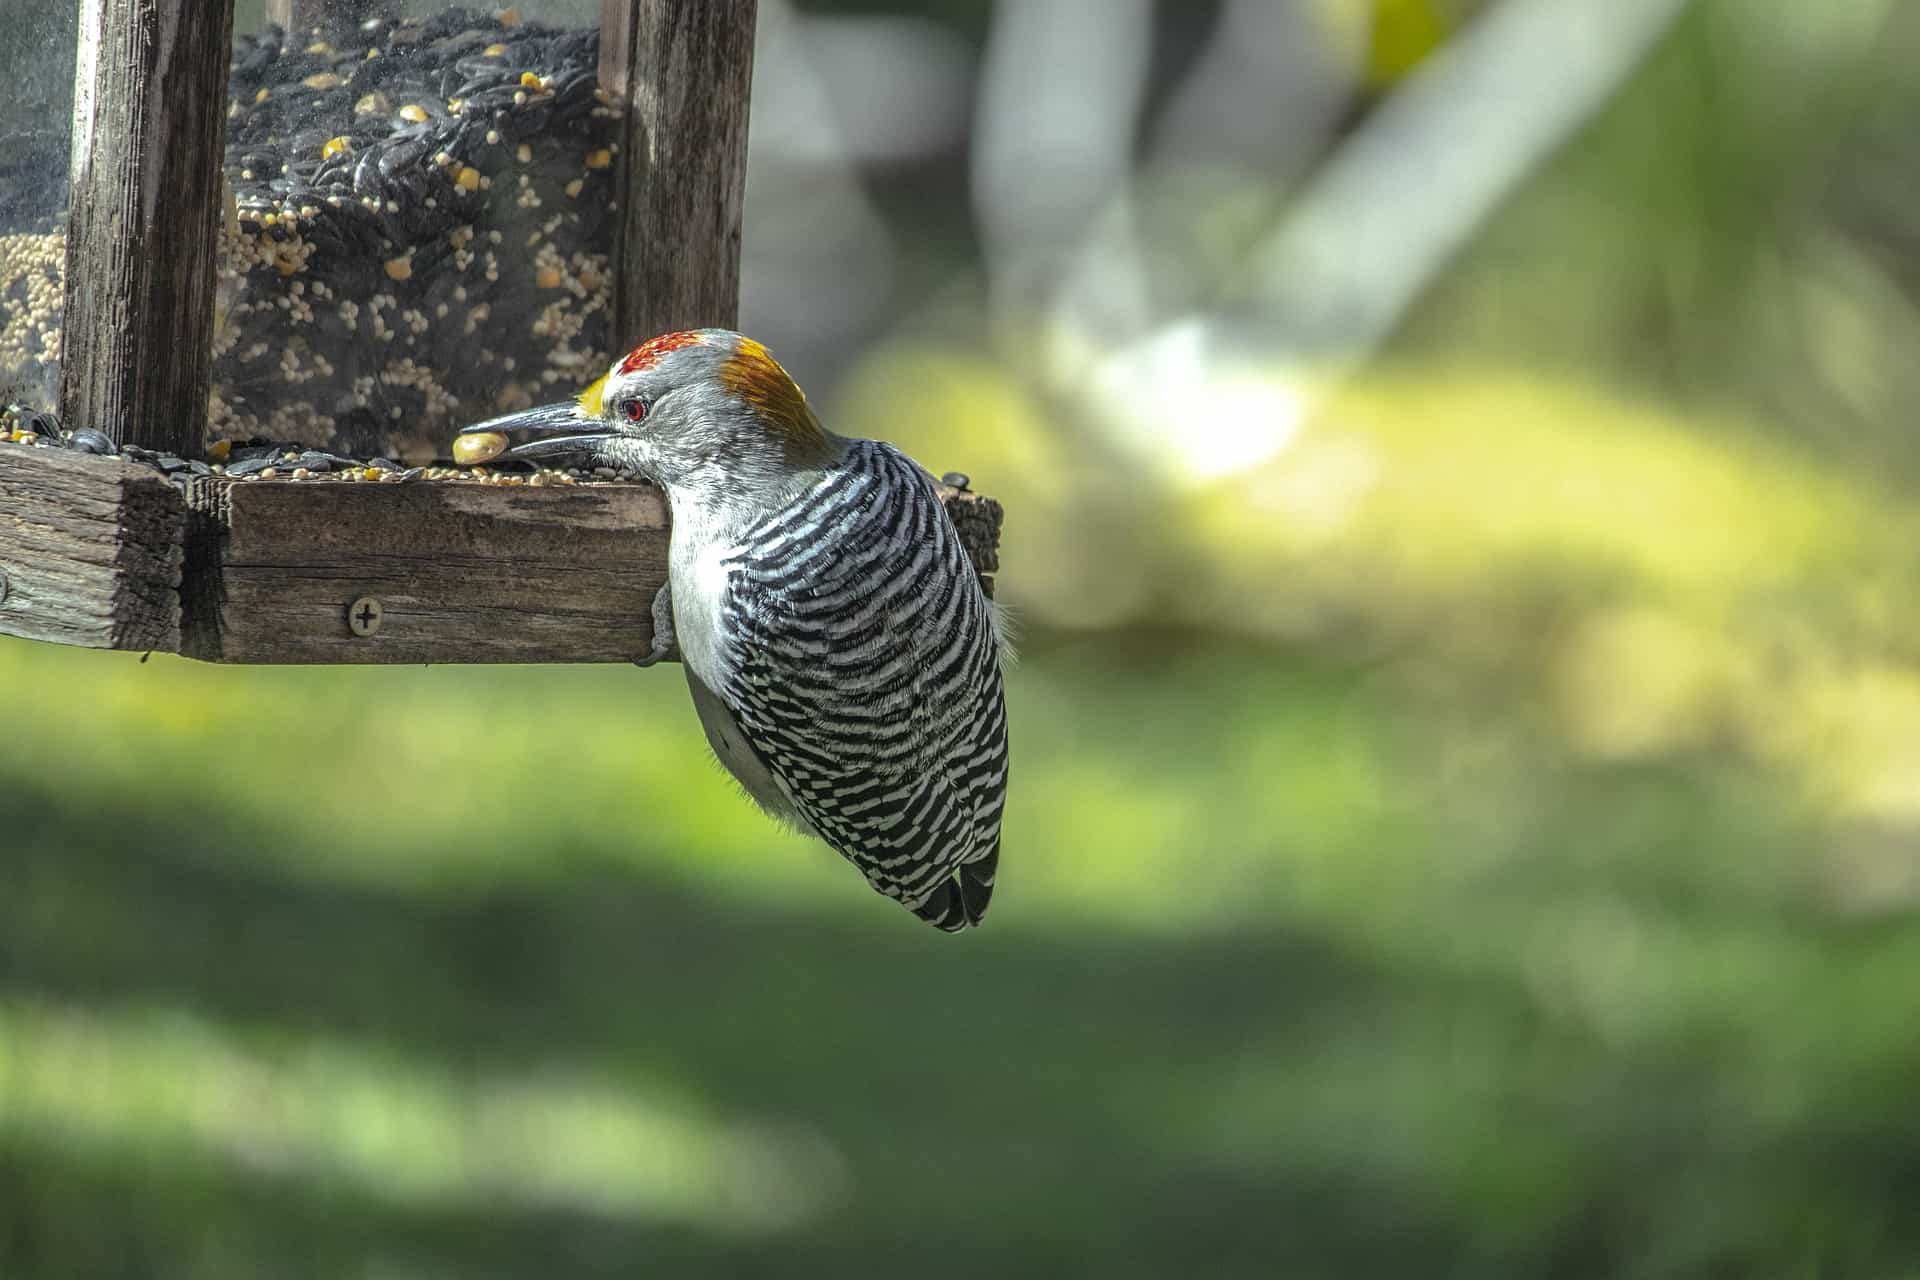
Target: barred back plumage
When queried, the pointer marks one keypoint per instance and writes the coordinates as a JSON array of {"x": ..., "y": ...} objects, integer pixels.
[{"x": 864, "y": 672}]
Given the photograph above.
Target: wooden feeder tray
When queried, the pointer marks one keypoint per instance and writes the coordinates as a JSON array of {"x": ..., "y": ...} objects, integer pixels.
[{"x": 109, "y": 554}]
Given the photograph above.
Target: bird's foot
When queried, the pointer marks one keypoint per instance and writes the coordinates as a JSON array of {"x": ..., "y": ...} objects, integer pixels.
[{"x": 665, "y": 648}]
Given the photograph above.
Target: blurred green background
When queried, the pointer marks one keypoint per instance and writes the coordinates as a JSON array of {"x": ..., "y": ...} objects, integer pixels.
[{"x": 1466, "y": 811}]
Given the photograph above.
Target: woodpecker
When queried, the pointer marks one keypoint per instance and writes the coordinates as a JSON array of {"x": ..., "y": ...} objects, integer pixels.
[{"x": 841, "y": 654}]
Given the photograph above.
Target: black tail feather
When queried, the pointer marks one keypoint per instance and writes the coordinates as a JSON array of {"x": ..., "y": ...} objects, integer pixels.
[
  {"x": 944, "y": 908},
  {"x": 961, "y": 900}
]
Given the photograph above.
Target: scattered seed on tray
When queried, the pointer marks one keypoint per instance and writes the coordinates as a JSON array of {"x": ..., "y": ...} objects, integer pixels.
[{"x": 289, "y": 462}]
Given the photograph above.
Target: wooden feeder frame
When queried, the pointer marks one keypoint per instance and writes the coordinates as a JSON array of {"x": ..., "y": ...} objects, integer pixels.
[{"x": 105, "y": 553}]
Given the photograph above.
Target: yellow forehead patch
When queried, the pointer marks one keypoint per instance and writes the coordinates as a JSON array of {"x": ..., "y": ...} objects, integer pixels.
[{"x": 590, "y": 398}]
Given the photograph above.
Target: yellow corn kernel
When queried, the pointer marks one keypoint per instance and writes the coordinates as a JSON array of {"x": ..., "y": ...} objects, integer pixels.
[
  {"x": 414, "y": 113},
  {"x": 334, "y": 146},
  {"x": 322, "y": 80},
  {"x": 493, "y": 51},
  {"x": 468, "y": 179},
  {"x": 599, "y": 159},
  {"x": 400, "y": 268},
  {"x": 547, "y": 277}
]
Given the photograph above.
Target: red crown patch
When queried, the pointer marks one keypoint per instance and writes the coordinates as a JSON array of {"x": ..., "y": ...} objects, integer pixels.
[{"x": 650, "y": 351}]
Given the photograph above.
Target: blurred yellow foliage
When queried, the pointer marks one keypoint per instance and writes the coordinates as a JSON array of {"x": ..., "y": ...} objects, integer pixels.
[
  {"x": 1403, "y": 34},
  {"x": 1670, "y": 582}
]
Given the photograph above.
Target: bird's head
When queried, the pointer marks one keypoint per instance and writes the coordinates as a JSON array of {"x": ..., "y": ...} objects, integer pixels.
[{"x": 705, "y": 412}]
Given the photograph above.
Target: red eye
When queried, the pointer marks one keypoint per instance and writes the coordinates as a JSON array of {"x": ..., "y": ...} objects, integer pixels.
[{"x": 635, "y": 409}]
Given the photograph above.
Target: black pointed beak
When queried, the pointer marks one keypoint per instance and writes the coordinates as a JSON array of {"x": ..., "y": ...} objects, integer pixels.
[{"x": 558, "y": 429}]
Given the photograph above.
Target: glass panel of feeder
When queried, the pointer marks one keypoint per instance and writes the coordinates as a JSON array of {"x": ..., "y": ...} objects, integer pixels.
[
  {"x": 422, "y": 211},
  {"x": 36, "y": 124}
]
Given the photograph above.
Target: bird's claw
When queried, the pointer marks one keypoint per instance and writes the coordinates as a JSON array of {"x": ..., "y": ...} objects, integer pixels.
[
  {"x": 665, "y": 648},
  {"x": 659, "y": 653}
]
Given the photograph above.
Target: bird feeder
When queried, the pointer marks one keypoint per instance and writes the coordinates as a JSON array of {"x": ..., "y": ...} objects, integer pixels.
[{"x": 301, "y": 236}]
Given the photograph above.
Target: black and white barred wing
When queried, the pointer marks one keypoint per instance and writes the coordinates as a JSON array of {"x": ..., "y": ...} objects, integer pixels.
[{"x": 868, "y": 682}]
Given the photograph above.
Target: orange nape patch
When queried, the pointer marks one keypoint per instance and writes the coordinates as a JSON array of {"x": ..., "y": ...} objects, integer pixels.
[
  {"x": 652, "y": 349},
  {"x": 758, "y": 380}
]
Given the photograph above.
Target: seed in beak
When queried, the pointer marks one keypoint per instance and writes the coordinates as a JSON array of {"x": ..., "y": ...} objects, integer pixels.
[{"x": 471, "y": 451}]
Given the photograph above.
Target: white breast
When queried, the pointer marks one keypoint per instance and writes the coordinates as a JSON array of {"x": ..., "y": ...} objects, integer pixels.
[{"x": 698, "y": 567}]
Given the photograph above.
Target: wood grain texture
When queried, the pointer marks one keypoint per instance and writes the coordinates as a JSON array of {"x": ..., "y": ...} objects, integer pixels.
[
  {"x": 149, "y": 124},
  {"x": 684, "y": 70},
  {"x": 463, "y": 572},
  {"x": 90, "y": 551}
]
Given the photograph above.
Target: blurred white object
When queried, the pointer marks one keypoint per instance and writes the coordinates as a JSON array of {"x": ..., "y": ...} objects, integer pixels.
[
  {"x": 1179, "y": 400},
  {"x": 1408, "y": 188},
  {"x": 1060, "y": 96},
  {"x": 1215, "y": 393}
]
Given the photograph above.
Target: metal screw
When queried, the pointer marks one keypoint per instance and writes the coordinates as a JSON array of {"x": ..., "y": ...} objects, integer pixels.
[{"x": 363, "y": 616}]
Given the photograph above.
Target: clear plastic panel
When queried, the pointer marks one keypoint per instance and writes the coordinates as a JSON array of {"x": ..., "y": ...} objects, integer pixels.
[
  {"x": 419, "y": 217},
  {"x": 36, "y": 122}
]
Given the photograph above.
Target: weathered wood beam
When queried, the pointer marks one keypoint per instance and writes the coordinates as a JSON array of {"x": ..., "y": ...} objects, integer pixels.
[
  {"x": 683, "y": 70},
  {"x": 456, "y": 572},
  {"x": 149, "y": 123},
  {"x": 90, "y": 551},
  {"x": 336, "y": 572},
  {"x": 106, "y": 554}
]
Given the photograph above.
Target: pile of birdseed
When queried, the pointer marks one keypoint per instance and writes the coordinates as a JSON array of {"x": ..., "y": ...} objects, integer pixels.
[{"x": 417, "y": 229}]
